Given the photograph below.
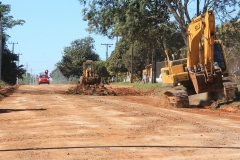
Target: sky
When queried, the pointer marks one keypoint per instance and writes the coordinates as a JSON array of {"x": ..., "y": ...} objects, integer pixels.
[{"x": 50, "y": 25}]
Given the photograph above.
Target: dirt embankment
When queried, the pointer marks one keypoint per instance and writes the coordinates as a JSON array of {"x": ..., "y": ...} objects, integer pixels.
[{"x": 7, "y": 90}]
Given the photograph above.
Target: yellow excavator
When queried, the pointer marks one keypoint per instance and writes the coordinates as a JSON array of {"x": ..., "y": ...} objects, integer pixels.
[
  {"x": 204, "y": 68},
  {"x": 89, "y": 76}
]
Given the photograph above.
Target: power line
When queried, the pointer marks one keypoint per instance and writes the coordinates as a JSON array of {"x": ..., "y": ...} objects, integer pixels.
[
  {"x": 38, "y": 61},
  {"x": 13, "y": 46},
  {"x": 16, "y": 39},
  {"x": 107, "y": 45}
]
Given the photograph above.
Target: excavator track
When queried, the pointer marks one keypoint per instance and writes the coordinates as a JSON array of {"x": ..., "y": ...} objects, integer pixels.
[{"x": 175, "y": 98}]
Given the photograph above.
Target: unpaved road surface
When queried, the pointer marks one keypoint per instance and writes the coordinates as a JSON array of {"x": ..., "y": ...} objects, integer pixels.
[{"x": 43, "y": 122}]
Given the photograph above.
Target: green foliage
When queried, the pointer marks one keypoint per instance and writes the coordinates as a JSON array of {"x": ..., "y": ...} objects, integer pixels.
[
  {"x": 101, "y": 70},
  {"x": 141, "y": 85},
  {"x": 57, "y": 77},
  {"x": 7, "y": 20},
  {"x": 2, "y": 83},
  {"x": 143, "y": 25},
  {"x": 74, "y": 56},
  {"x": 228, "y": 32},
  {"x": 140, "y": 56},
  {"x": 26, "y": 79},
  {"x": 180, "y": 10},
  {"x": 10, "y": 70},
  {"x": 73, "y": 80},
  {"x": 144, "y": 21},
  {"x": 115, "y": 62}
]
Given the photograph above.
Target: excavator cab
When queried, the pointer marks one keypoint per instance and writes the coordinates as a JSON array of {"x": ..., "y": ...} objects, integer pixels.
[
  {"x": 89, "y": 69},
  {"x": 219, "y": 57}
]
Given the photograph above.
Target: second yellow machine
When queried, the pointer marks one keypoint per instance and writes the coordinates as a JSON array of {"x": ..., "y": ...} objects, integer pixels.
[{"x": 89, "y": 76}]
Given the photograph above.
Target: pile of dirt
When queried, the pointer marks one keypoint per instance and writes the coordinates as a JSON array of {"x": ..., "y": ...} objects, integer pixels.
[
  {"x": 130, "y": 91},
  {"x": 97, "y": 90},
  {"x": 5, "y": 91},
  {"x": 101, "y": 90}
]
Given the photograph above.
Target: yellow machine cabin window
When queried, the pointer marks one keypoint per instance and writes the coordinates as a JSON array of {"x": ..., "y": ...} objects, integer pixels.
[{"x": 219, "y": 57}]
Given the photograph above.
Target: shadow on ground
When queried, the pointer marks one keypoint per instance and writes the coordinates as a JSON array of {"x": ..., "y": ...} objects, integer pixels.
[{"x": 20, "y": 110}]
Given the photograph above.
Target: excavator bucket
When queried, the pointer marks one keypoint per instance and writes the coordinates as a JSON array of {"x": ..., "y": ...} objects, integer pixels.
[
  {"x": 93, "y": 80},
  {"x": 175, "y": 98},
  {"x": 201, "y": 84}
]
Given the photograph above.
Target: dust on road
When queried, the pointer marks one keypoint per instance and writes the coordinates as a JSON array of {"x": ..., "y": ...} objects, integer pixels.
[{"x": 44, "y": 122}]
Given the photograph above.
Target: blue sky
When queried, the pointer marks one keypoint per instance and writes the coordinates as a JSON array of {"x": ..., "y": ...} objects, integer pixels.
[{"x": 50, "y": 26}]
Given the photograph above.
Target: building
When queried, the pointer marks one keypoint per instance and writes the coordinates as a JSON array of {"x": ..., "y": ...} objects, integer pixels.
[{"x": 148, "y": 70}]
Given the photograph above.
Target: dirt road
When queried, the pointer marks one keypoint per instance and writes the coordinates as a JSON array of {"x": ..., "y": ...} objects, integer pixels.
[{"x": 43, "y": 122}]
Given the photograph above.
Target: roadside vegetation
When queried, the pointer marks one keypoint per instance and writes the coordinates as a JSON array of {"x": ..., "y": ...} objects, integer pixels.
[
  {"x": 2, "y": 83},
  {"x": 10, "y": 69},
  {"x": 140, "y": 28},
  {"x": 140, "y": 85}
]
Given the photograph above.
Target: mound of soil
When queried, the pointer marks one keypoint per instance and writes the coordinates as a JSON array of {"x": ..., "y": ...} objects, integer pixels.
[
  {"x": 101, "y": 90},
  {"x": 130, "y": 91},
  {"x": 7, "y": 90},
  {"x": 97, "y": 90}
]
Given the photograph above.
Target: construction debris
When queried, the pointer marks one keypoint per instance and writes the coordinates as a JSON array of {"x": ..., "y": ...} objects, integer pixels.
[{"x": 97, "y": 90}]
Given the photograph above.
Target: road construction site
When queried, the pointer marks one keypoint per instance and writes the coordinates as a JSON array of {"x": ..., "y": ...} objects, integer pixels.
[{"x": 49, "y": 122}]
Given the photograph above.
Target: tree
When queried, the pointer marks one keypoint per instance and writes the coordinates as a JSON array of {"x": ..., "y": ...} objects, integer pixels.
[
  {"x": 74, "y": 56},
  {"x": 132, "y": 20},
  {"x": 57, "y": 77},
  {"x": 180, "y": 11},
  {"x": 228, "y": 32},
  {"x": 101, "y": 69},
  {"x": 145, "y": 23},
  {"x": 115, "y": 62},
  {"x": 7, "y": 20},
  {"x": 10, "y": 70}
]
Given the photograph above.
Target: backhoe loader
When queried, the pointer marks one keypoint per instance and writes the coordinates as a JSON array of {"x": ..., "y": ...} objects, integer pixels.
[
  {"x": 204, "y": 69},
  {"x": 89, "y": 76}
]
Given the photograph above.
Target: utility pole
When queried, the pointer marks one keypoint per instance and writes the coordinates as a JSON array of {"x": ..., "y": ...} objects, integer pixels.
[
  {"x": 18, "y": 64},
  {"x": 31, "y": 77},
  {"x": 198, "y": 8},
  {"x": 107, "y": 45},
  {"x": 0, "y": 46},
  {"x": 13, "y": 46},
  {"x": 132, "y": 66},
  {"x": 18, "y": 57},
  {"x": 27, "y": 68},
  {"x": 154, "y": 66}
]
